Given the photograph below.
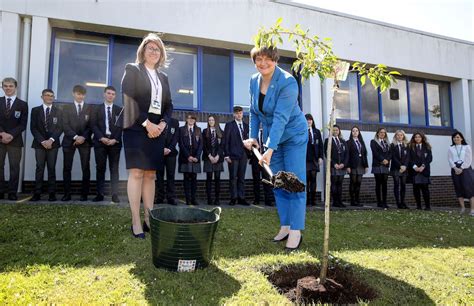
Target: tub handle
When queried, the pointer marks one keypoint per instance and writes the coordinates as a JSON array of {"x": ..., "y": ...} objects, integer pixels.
[{"x": 217, "y": 210}]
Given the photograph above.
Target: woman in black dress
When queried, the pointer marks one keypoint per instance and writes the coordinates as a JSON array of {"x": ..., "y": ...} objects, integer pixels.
[
  {"x": 190, "y": 150},
  {"x": 460, "y": 161},
  {"x": 146, "y": 112},
  {"x": 314, "y": 158},
  {"x": 380, "y": 165},
  {"x": 339, "y": 160},
  {"x": 420, "y": 158},
  {"x": 398, "y": 167},
  {"x": 213, "y": 157},
  {"x": 357, "y": 165}
]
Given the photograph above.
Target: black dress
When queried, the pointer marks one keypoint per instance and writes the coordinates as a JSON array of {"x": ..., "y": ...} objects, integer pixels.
[{"x": 142, "y": 152}]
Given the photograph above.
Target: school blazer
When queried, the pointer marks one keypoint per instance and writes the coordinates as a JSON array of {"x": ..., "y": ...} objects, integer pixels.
[
  {"x": 354, "y": 157},
  {"x": 398, "y": 159},
  {"x": 282, "y": 118},
  {"x": 15, "y": 123},
  {"x": 424, "y": 157},
  {"x": 378, "y": 155},
  {"x": 184, "y": 149},
  {"x": 233, "y": 145},
  {"x": 137, "y": 85},
  {"x": 99, "y": 126},
  {"x": 74, "y": 124},
  {"x": 340, "y": 156},
  {"x": 217, "y": 149},
  {"x": 171, "y": 137},
  {"x": 38, "y": 126}
]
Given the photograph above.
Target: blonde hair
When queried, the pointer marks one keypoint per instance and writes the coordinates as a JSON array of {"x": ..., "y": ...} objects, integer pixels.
[
  {"x": 405, "y": 140},
  {"x": 154, "y": 38}
]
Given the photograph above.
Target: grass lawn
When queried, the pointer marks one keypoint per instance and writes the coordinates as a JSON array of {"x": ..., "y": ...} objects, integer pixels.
[{"x": 73, "y": 254}]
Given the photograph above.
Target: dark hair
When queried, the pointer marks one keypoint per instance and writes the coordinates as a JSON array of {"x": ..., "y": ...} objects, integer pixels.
[
  {"x": 340, "y": 134},
  {"x": 361, "y": 139},
  {"x": 10, "y": 80},
  {"x": 310, "y": 117},
  {"x": 47, "y": 90},
  {"x": 424, "y": 141},
  {"x": 192, "y": 115},
  {"x": 463, "y": 142},
  {"x": 238, "y": 108},
  {"x": 219, "y": 132},
  {"x": 110, "y": 88},
  {"x": 270, "y": 52},
  {"x": 79, "y": 89}
]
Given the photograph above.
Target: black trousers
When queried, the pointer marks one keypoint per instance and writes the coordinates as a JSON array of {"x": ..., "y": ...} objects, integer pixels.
[
  {"x": 85, "y": 156},
  {"x": 190, "y": 186},
  {"x": 399, "y": 189},
  {"x": 237, "y": 177},
  {"x": 44, "y": 158},
  {"x": 354, "y": 187},
  {"x": 169, "y": 163},
  {"x": 217, "y": 185},
  {"x": 336, "y": 189},
  {"x": 381, "y": 180},
  {"x": 14, "y": 157},
  {"x": 102, "y": 153},
  {"x": 417, "y": 190},
  {"x": 311, "y": 184},
  {"x": 258, "y": 173}
]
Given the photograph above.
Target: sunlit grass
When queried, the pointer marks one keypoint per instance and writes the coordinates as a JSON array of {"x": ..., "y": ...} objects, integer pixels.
[{"x": 75, "y": 254}]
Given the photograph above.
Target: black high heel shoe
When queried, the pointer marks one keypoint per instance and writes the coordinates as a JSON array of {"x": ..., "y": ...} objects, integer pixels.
[
  {"x": 145, "y": 227},
  {"x": 141, "y": 235},
  {"x": 297, "y": 247},
  {"x": 282, "y": 239}
]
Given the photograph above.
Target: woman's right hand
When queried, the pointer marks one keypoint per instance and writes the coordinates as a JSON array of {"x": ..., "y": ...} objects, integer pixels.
[
  {"x": 153, "y": 129},
  {"x": 249, "y": 143}
]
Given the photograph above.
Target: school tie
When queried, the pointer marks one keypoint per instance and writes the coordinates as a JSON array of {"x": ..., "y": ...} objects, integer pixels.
[
  {"x": 241, "y": 131},
  {"x": 338, "y": 144},
  {"x": 213, "y": 138},
  {"x": 9, "y": 105},
  {"x": 46, "y": 119},
  {"x": 79, "y": 109},
  {"x": 109, "y": 118},
  {"x": 190, "y": 137},
  {"x": 358, "y": 146},
  {"x": 400, "y": 150},
  {"x": 310, "y": 136}
]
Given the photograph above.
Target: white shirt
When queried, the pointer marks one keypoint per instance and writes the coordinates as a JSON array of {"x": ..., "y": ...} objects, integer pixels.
[
  {"x": 44, "y": 113},
  {"x": 156, "y": 88},
  {"x": 462, "y": 153},
  {"x": 240, "y": 124},
  {"x": 107, "y": 128},
  {"x": 76, "y": 104}
]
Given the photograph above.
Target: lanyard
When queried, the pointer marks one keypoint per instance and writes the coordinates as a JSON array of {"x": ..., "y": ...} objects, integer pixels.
[
  {"x": 458, "y": 153},
  {"x": 155, "y": 83}
]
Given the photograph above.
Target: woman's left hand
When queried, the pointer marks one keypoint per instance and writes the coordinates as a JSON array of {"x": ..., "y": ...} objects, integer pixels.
[
  {"x": 266, "y": 158},
  {"x": 249, "y": 143}
]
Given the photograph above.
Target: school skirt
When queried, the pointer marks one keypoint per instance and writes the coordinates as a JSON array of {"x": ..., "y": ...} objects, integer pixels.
[
  {"x": 464, "y": 183},
  {"x": 210, "y": 167}
]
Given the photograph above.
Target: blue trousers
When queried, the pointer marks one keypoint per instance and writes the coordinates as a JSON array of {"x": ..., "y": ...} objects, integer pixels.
[{"x": 291, "y": 157}]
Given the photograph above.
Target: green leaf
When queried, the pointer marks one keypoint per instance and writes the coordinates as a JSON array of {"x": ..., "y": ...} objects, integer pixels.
[
  {"x": 363, "y": 79},
  {"x": 279, "y": 20},
  {"x": 394, "y": 73}
]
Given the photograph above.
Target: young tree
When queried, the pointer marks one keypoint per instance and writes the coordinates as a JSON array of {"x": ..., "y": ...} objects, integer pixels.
[{"x": 315, "y": 56}]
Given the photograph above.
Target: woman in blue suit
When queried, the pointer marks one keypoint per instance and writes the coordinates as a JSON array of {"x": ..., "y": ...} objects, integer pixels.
[{"x": 274, "y": 104}]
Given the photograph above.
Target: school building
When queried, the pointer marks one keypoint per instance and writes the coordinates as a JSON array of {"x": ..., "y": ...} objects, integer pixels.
[{"x": 59, "y": 43}]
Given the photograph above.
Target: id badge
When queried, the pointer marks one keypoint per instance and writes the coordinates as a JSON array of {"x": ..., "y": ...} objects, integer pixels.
[{"x": 155, "y": 107}]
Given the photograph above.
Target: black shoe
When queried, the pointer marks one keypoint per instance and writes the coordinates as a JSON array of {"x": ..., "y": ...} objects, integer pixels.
[
  {"x": 36, "y": 197},
  {"x": 282, "y": 239},
  {"x": 427, "y": 208},
  {"x": 297, "y": 247},
  {"x": 2, "y": 196},
  {"x": 83, "y": 198},
  {"x": 195, "y": 202},
  {"x": 256, "y": 203},
  {"x": 172, "y": 202},
  {"x": 141, "y": 235},
  {"x": 243, "y": 202},
  {"x": 269, "y": 204},
  {"x": 385, "y": 206},
  {"x": 115, "y": 198},
  {"x": 52, "y": 197},
  {"x": 12, "y": 197},
  {"x": 98, "y": 198},
  {"x": 66, "y": 197},
  {"x": 216, "y": 202},
  {"x": 232, "y": 202},
  {"x": 145, "y": 227}
]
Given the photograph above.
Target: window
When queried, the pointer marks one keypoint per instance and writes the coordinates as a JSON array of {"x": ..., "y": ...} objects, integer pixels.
[
  {"x": 215, "y": 82},
  {"x": 124, "y": 52},
  {"x": 346, "y": 99},
  {"x": 369, "y": 103},
  {"x": 182, "y": 76},
  {"x": 395, "y": 103},
  {"x": 438, "y": 103},
  {"x": 243, "y": 70},
  {"x": 417, "y": 102},
  {"x": 80, "y": 59}
]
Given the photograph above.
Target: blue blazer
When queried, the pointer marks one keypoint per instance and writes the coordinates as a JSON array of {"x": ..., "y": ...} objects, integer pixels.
[
  {"x": 282, "y": 118},
  {"x": 233, "y": 145}
]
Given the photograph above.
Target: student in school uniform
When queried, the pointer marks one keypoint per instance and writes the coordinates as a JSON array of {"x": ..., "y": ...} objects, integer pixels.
[
  {"x": 213, "y": 157},
  {"x": 46, "y": 128},
  {"x": 399, "y": 166},
  {"x": 460, "y": 161},
  {"x": 169, "y": 165},
  {"x": 258, "y": 173},
  {"x": 357, "y": 165},
  {"x": 107, "y": 143},
  {"x": 77, "y": 136},
  {"x": 339, "y": 161},
  {"x": 190, "y": 150},
  {"x": 380, "y": 165},
  {"x": 420, "y": 158},
  {"x": 314, "y": 158}
]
